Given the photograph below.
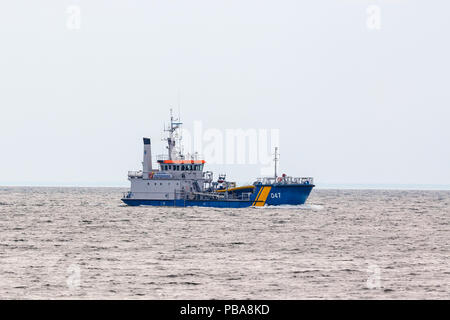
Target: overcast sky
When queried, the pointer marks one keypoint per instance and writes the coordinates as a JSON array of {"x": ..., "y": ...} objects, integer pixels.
[{"x": 356, "y": 99}]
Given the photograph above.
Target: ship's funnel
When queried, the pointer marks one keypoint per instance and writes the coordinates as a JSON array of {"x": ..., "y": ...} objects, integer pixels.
[{"x": 147, "y": 163}]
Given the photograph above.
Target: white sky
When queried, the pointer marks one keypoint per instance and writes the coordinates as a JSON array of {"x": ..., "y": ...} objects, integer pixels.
[{"x": 353, "y": 105}]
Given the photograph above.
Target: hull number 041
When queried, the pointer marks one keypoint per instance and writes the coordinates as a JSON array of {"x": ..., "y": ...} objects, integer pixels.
[{"x": 275, "y": 195}]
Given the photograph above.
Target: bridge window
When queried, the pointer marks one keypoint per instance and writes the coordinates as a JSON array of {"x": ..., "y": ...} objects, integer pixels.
[{"x": 182, "y": 168}]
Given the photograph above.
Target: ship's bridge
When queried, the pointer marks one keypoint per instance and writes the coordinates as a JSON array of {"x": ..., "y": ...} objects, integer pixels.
[{"x": 181, "y": 165}]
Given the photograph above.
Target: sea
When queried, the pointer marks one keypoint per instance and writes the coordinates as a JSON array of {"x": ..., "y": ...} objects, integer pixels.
[{"x": 84, "y": 243}]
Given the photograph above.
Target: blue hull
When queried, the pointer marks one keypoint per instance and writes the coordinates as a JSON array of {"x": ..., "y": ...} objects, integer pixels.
[
  {"x": 271, "y": 195},
  {"x": 189, "y": 203}
]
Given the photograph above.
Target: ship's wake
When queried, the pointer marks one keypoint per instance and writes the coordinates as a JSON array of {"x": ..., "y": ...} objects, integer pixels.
[{"x": 312, "y": 207}]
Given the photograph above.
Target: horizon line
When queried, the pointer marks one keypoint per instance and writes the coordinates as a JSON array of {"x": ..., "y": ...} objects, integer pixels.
[{"x": 343, "y": 186}]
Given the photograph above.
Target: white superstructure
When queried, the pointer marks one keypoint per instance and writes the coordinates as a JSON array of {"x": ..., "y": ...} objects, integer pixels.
[{"x": 176, "y": 176}]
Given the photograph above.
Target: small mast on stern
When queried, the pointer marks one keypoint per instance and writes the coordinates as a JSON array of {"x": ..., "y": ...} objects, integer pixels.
[{"x": 276, "y": 161}]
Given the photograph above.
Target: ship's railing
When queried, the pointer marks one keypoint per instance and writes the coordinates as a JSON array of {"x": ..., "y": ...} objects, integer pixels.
[
  {"x": 135, "y": 174},
  {"x": 188, "y": 156},
  {"x": 162, "y": 157},
  {"x": 180, "y": 195},
  {"x": 127, "y": 195},
  {"x": 286, "y": 180}
]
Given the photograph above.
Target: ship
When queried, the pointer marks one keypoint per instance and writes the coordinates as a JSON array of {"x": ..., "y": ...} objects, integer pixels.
[{"x": 181, "y": 181}]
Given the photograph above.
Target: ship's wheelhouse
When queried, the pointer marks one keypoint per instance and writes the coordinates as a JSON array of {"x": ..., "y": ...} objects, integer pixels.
[{"x": 181, "y": 165}]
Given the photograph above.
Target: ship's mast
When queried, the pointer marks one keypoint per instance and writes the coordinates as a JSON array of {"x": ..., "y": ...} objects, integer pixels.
[
  {"x": 276, "y": 161},
  {"x": 173, "y": 137}
]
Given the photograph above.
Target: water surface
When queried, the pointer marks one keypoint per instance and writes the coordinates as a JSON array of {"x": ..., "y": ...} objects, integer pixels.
[{"x": 83, "y": 243}]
